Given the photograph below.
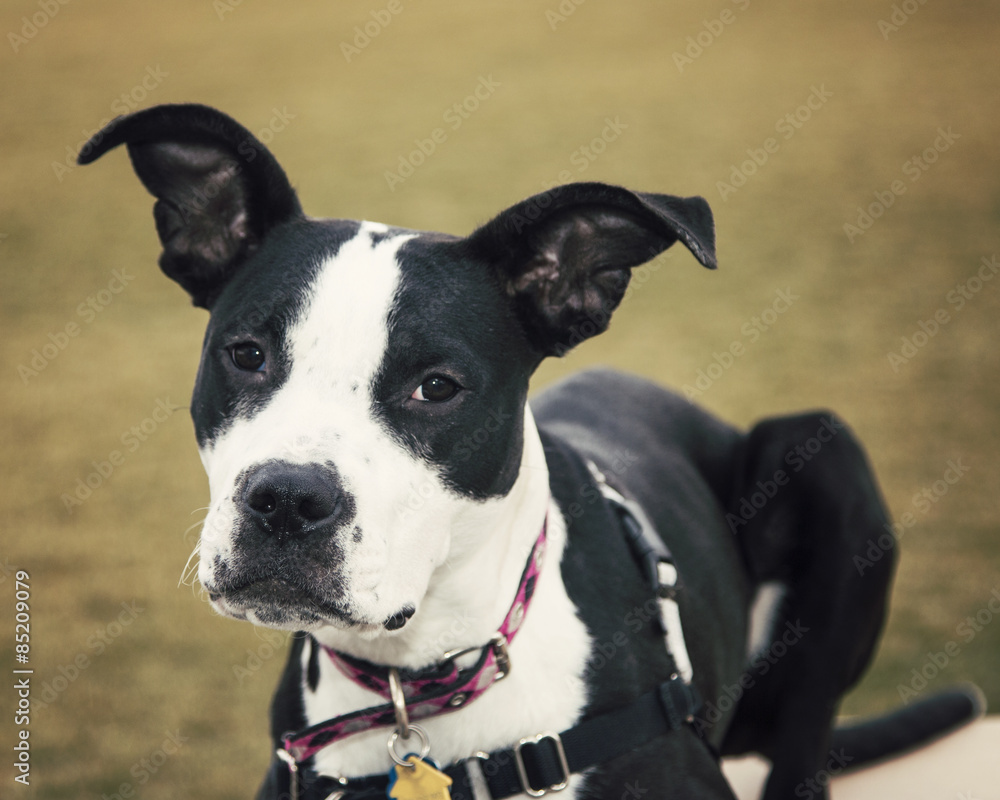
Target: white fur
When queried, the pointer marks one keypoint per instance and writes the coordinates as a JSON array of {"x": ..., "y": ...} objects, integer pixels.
[
  {"x": 544, "y": 691},
  {"x": 323, "y": 414}
]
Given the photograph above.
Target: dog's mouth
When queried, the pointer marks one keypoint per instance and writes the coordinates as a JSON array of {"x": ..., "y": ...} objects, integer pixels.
[
  {"x": 275, "y": 602},
  {"x": 278, "y": 603}
]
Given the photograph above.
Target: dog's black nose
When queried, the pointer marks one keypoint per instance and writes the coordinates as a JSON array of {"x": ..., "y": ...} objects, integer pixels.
[
  {"x": 293, "y": 499},
  {"x": 398, "y": 620}
]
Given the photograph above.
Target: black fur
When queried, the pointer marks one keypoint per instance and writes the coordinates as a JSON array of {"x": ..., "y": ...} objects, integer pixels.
[
  {"x": 482, "y": 312},
  {"x": 258, "y": 304}
]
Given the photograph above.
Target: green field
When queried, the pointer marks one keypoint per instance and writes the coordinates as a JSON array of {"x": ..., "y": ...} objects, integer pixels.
[{"x": 848, "y": 150}]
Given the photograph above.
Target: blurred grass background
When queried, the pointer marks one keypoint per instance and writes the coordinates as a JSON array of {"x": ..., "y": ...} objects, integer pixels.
[{"x": 175, "y": 670}]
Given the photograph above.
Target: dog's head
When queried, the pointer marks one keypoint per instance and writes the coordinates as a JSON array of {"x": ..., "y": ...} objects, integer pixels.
[{"x": 360, "y": 403}]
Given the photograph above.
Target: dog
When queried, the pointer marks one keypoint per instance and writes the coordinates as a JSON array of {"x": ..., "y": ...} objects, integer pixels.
[{"x": 597, "y": 593}]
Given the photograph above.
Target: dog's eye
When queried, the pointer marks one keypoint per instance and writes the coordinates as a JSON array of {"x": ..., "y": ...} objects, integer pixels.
[
  {"x": 248, "y": 356},
  {"x": 436, "y": 389}
]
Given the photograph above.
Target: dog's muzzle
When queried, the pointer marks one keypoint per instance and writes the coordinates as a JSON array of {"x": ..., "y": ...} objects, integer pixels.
[{"x": 286, "y": 560}]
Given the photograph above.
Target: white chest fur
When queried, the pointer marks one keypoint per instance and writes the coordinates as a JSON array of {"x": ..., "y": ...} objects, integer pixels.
[{"x": 544, "y": 690}]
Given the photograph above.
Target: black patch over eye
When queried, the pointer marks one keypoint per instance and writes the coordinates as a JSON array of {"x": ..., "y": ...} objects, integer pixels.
[
  {"x": 436, "y": 389},
  {"x": 248, "y": 356}
]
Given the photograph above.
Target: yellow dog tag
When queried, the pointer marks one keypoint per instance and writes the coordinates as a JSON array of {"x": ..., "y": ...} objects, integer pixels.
[{"x": 419, "y": 781}]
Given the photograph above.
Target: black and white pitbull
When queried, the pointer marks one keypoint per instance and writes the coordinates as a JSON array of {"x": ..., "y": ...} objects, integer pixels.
[{"x": 597, "y": 594}]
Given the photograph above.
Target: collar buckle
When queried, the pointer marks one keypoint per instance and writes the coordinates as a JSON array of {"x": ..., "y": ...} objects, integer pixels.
[
  {"x": 499, "y": 646},
  {"x": 452, "y": 655}
]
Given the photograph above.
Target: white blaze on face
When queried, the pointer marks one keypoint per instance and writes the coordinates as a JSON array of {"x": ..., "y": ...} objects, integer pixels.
[{"x": 323, "y": 414}]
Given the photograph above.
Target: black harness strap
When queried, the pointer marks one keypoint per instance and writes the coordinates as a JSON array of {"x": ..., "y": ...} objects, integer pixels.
[{"x": 547, "y": 762}]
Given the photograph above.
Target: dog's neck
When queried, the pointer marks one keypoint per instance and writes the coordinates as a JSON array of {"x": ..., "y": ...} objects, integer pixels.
[{"x": 472, "y": 591}]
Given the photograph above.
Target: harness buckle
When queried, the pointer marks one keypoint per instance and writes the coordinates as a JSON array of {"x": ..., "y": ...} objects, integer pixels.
[
  {"x": 293, "y": 777},
  {"x": 522, "y": 773}
]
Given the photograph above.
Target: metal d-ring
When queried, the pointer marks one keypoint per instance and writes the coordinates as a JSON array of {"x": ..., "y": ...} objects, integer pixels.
[
  {"x": 399, "y": 703},
  {"x": 293, "y": 772},
  {"x": 425, "y": 746}
]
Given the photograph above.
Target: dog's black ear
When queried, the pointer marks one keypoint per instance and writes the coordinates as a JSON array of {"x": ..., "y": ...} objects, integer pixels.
[
  {"x": 218, "y": 189},
  {"x": 566, "y": 255}
]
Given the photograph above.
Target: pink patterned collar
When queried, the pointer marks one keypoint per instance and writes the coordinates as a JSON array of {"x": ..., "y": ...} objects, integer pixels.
[{"x": 437, "y": 689}]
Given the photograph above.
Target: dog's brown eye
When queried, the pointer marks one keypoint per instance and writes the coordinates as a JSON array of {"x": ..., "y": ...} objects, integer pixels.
[
  {"x": 436, "y": 389},
  {"x": 248, "y": 356}
]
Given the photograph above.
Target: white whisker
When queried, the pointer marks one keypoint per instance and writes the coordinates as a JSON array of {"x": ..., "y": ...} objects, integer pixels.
[{"x": 190, "y": 570}]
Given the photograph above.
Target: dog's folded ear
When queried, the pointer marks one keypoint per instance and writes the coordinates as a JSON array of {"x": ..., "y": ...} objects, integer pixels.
[
  {"x": 566, "y": 255},
  {"x": 218, "y": 189}
]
